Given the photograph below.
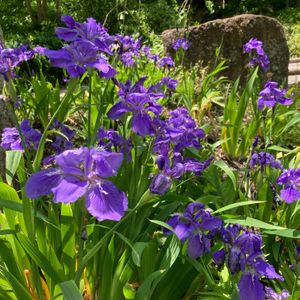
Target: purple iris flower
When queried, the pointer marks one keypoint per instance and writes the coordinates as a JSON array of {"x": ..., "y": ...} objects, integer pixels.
[
  {"x": 242, "y": 252},
  {"x": 271, "y": 95},
  {"x": 128, "y": 44},
  {"x": 261, "y": 58},
  {"x": 194, "y": 225},
  {"x": 162, "y": 181},
  {"x": 11, "y": 139},
  {"x": 141, "y": 102},
  {"x": 250, "y": 287},
  {"x": 83, "y": 173},
  {"x": 89, "y": 31},
  {"x": 180, "y": 130},
  {"x": 62, "y": 143},
  {"x": 290, "y": 179},
  {"x": 272, "y": 295},
  {"x": 127, "y": 59},
  {"x": 263, "y": 159},
  {"x": 79, "y": 56},
  {"x": 166, "y": 62},
  {"x": 255, "y": 143},
  {"x": 12, "y": 57},
  {"x": 181, "y": 43},
  {"x": 169, "y": 82}
]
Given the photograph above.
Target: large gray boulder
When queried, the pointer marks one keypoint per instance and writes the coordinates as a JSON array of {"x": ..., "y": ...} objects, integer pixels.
[{"x": 231, "y": 34}]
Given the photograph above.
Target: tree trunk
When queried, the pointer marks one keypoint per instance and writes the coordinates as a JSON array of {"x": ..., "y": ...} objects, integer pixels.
[
  {"x": 30, "y": 11},
  {"x": 44, "y": 9},
  {"x": 39, "y": 11},
  {"x": 57, "y": 9}
]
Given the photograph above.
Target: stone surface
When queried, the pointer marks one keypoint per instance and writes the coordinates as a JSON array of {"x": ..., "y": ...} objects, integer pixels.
[
  {"x": 5, "y": 118},
  {"x": 5, "y": 121},
  {"x": 231, "y": 34}
]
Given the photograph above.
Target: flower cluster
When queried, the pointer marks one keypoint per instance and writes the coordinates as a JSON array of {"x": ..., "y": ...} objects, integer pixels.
[
  {"x": 10, "y": 58},
  {"x": 272, "y": 295},
  {"x": 260, "y": 57},
  {"x": 264, "y": 159},
  {"x": 242, "y": 252},
  {"x": 271, "y": 95},
  {"x": 89, "y": 42},
  {"x": 196, "y": 226},
  {"x": 128, "y": 48},
  {"x": 139, "y": 101},
  {"x": 290, "y": 179},
  {"x": 173, "y": 136},
  {"x": 11, "y": 139},
  {"x": 181, "y": 43},
  {"x": 80, "y": 173}
]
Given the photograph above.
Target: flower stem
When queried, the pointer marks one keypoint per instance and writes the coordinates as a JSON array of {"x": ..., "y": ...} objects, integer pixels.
[{"x": 89, "y": 111}]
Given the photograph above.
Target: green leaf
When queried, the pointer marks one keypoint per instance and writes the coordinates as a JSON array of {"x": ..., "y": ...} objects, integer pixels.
[
  {"x": 10, "y": 261},
  {"x": 39, "y": 258},
  {"x": 238, "y": 204},
  {"x": 162, "y": 224},
  {"x": 139, "y": 248},
  {"x": 11, "y": 164},
  {"x": 67, "y": 233},
  {"x": 289, "y": 233},
  {"x": 135, "y": 254},
  {"x": 292, "y": 122},
  {"x": 70, "y": 290},
  {"x": 20, "y": 291},
  {"x": 15, "y": 206},
  {"x": 146, "y": 289},
  {"x": 222, "y": 165},
  {"x": 171, "y": 252},
  {"x": 129, "y": 292},
  {"x": 254, "y": 223},
  {"x": 279, "y": 149}
]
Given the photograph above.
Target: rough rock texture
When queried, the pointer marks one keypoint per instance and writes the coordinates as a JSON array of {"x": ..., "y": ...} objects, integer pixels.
[
  {"x": 231, "y": 34},
  {"x": 1, "y": 43},
  {"x": 5, "y": 119}
]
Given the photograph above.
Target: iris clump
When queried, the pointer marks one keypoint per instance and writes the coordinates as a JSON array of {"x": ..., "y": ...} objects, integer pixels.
[
  {"x": 80, "y": 173},
  {"x": 89, "y": 45},
  {"x": 264, "y": 159},
  {"x": 181, "y": 43},
  {"x": 141, "y": 102},
  {"x": 260, "y": 58},
  {"x": 243, "y": 253},
  {"x": 196, "y": 226},
  {"x": 128, "y": 49},
  {"x": 290, "y": 179},
  {"x": 272, "y": 95},
  {"x": 173, "y": 136},
  {"x": 11, "y": 58},
  {"x": 11, "y": 139}
]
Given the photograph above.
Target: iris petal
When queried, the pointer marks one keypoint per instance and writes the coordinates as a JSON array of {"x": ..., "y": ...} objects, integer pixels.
[
  {"x": 106, "y": 202},
  {"x": 69, "y": 190},
  {"x": 251, "y": 288},
  {"x": 42, "y": 182}
]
